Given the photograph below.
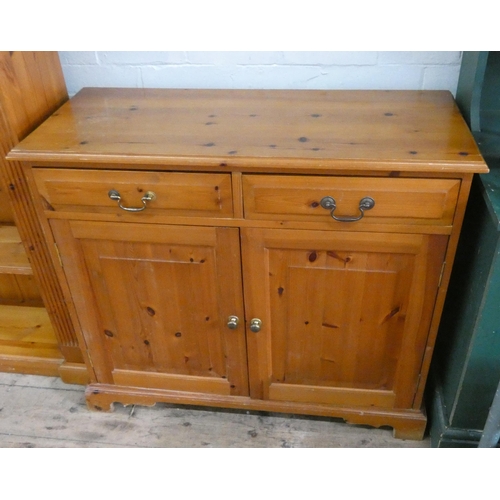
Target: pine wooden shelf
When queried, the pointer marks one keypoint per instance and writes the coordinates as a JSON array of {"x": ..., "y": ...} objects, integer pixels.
[
  {"x": 27, "y": 341},
  {"x": 13, "y": 259}
]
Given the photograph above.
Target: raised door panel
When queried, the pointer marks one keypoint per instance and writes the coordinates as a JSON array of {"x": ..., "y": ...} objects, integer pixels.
[
  {"x": 153, "y": 303},
  {"x": 345, "y": 317}
]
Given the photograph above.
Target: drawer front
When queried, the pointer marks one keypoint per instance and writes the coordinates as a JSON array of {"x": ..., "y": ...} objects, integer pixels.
[
  {"x": 306, "y": 198},
  {"x": 182, "y": 194}
]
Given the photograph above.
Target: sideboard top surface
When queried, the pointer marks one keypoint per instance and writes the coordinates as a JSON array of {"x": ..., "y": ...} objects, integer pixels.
[{"x": 317, "y": 129}]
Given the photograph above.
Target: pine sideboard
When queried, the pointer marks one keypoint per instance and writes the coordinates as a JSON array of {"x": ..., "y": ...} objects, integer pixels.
[{"x": 284, "y": 251}]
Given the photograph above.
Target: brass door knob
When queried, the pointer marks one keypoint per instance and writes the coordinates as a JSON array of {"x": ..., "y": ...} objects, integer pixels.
[
  {"x": 232, "y": 322},
  {"x": 255, "y": 325}
]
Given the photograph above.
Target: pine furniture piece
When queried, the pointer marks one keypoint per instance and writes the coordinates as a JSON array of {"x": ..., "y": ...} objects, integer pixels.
[
  {"x": 285, "y": 251},
  {"x": 36, "y": 335},
  {"x": 466, "y": 368}
]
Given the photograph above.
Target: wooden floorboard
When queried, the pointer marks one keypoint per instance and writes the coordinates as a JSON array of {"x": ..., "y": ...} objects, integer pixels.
[{"x": 43, "y": 412}]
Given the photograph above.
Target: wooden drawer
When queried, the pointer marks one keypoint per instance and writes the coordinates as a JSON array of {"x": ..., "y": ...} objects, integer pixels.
[
  {"x": 184, "y": 194},
  {"x": 299, "y": 198}
]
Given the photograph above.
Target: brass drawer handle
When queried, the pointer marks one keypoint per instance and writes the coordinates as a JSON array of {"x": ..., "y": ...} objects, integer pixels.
[
  {"x": 329, "y": 203},
  {"x": 115, "y": 196}
]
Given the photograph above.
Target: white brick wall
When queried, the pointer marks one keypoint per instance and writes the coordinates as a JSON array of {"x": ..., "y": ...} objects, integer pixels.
[{"x": 284, "y": 70}]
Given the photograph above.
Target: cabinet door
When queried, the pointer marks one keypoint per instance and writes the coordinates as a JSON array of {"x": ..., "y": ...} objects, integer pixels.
[
  {"x": 153, "y": 303},
  {"x": 345, "y": 316}
]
